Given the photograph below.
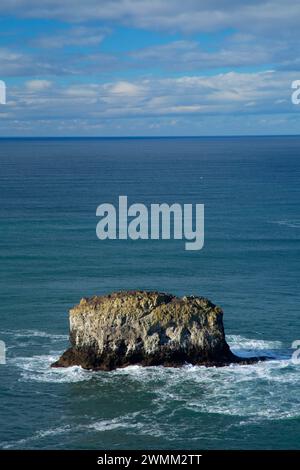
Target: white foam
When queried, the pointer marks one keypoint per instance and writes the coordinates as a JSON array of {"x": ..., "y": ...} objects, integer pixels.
[
  {"x": 238, "y": 342},
  {"x": 292, "y": 223},
  {"x": 247, "y": 347},
  {"x": 262, "y": 391},
  {"x": 43, "y": 433},
  {"x": 266, "y": 390},
  {"x": 126, "y": 422},
  {"x": 129, "y": 422},
  {"x": 34, "y": 334},
  {"x": 38, "y": 369}
]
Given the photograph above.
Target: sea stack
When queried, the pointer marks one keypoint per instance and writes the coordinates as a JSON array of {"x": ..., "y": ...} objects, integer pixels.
[{"x": 146, "y": 328}]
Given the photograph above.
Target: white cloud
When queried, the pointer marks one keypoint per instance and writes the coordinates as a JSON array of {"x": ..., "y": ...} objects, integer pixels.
[
  {"x": 21, "y": 64},
  {"x": 38, "y": 85},
  {"x": 227, "y": 94},
  {"x": 189, "y": 55},
  {"x": 83, "y": 91},
  {"x": 78, "y": 36},
  {"x": 125, "y": 89},
  {"x": 261, "y": 16}
]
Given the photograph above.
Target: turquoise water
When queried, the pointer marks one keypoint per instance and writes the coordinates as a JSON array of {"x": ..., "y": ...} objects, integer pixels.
[{"x": 50, "y": 258}]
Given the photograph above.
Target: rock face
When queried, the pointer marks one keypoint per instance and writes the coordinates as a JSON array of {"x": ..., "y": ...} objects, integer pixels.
[{"x": 146, "y": 328}]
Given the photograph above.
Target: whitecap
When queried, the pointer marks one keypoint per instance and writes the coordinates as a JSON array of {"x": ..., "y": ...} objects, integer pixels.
[
  {"x": 292, "y": 223},
  {"x": 126, "y": 422},
  {"x": 38, "y": 369},
  {"x": 41, "y": 434},
  {"x": 247, "y": 347},
  {"x": 240, "y": 342},
  {"x": 34, "y": 334},
  {"x": 262, "y": 391}
]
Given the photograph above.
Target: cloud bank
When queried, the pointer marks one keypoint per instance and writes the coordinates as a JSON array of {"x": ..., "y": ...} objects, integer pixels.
[{"x": 135, "y": 67}]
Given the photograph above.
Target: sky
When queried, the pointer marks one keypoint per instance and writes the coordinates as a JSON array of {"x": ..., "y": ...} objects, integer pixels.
[{"x": 149, "y": 67}]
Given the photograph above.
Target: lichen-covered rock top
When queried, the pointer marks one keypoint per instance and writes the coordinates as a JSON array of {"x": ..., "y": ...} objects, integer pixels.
[
  {"x": 138, "y": 304},
  {"x": 134, "y": 303},
  {"x": 147, "y": 328}
]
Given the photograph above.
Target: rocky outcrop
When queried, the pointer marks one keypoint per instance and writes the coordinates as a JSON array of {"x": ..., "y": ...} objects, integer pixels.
[{"x": 146, "y": 328}]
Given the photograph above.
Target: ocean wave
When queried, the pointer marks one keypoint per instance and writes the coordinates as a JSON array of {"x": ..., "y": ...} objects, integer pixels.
[
  {"x": 34, "y": 334},
  {"x": 32, "y": 339},
  {"x": 257, "y": 392},
  {"x": 129, "y": 422},
  {"x": 240, "y": 342},
  {"x": 38, "y": 369},
  {"x": 41, "y": 434},
  {"x": 248, "y": 394},
  {"x": 124, "y": 422},
  {"x": 262, "y": 391},
  {"x": 287, "y": 222},
  {"x": 247, "y": 347}
]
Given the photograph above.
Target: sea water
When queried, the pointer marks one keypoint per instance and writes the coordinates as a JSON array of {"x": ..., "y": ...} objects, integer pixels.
[{"x": 50, "y": 257}]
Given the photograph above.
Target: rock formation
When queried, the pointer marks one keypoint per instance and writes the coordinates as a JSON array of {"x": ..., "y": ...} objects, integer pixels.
[{"x": 146, "y": 328}]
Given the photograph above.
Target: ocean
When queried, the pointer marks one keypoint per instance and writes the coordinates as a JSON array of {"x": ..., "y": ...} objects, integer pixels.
[{"x": 51, "y": 258}]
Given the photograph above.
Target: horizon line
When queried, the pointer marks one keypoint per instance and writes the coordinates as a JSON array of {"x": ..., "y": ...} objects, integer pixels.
[{"x": 151, "y": 136}]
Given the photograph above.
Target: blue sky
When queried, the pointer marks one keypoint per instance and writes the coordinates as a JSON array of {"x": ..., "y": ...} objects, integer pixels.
[{"x": 149, "y": 67}]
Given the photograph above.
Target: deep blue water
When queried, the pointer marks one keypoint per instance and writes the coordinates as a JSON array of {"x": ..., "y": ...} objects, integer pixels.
[{"x": 50, "y": 257}]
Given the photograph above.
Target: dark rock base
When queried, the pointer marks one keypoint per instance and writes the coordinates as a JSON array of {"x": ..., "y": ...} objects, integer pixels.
[{"x": 88, "y": 360}]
